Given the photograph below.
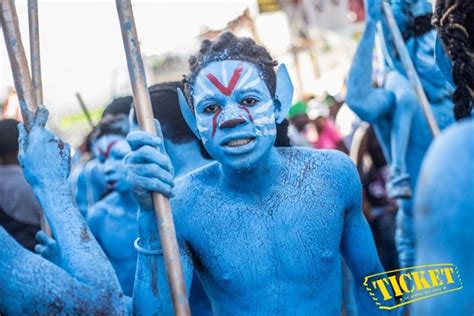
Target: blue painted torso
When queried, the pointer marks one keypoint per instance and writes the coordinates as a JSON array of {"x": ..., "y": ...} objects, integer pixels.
[
  {"x": 113, "y": 223},
  {"x": 282, "y": 243},
  {"x": 444, "y": 219}
]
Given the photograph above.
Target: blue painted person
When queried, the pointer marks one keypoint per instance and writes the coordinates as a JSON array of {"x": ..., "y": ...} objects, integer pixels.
[
  {"x": 112, "y": 220},
  {"x": 393, "y": 109},
  {"x": 263, "y": 227}
]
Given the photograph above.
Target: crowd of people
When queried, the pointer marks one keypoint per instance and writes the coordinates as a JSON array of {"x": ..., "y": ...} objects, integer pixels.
[{"x": 280, "y": 207}]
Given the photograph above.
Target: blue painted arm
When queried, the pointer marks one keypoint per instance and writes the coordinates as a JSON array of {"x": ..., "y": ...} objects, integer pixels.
[
  {"x": 45, "y": 160},
  {"x": 30, "y": 284},
  {"x": 151, "y": 294},
  {"x": 48, "y": 247},
  {"x": 357, "y": 245},
  {"x": 388, "y": 47},
  {"x": 150, "y": 170},
  {"x": 368, "y": 102}
]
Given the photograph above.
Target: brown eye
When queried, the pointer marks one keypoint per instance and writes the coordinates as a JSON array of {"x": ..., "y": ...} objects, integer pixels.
[
  {"x": 212, "y": 108},
  {"x": 249, "y": 101}
]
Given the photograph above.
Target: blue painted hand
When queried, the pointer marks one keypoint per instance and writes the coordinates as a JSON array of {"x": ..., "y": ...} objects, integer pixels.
[
  {"x": 39, "y": 151},
  {"x": 48, "y": 248},
  {"x": 149, "y": 169}
]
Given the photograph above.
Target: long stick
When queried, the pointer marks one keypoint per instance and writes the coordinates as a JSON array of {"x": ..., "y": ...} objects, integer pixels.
[
  {"x": 145, "y": 120},
  {"x": 85, "y": 109},
  {"x": 410, "y": 69},
  {"x": 35, "y": 59},
  {"x": 35, "y": 56},
  {"x": 18, "y": 63}
]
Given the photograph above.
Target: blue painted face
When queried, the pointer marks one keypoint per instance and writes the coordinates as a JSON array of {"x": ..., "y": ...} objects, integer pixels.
[
  {"x": 101, "y": 146},
  {"x": 235, "y": 113},
  {"x": 110, "y": 150}
]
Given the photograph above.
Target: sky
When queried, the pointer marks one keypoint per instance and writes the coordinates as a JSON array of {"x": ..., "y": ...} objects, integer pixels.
[{"x": 81, "y": 44}]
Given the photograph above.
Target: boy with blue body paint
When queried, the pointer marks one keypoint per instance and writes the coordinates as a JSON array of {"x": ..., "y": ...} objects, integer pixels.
[
  {"x": 112, "y": 220},
  {"x": 263, "y": 227}
]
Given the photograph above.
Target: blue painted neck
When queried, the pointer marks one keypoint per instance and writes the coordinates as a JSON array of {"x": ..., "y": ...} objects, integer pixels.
[
  {"x": 258, "y": 177},
  {"x": 185, "y": 157}
]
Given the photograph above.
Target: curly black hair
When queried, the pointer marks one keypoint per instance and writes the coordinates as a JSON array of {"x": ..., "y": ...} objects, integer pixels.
[
  {"x": 454, "y": 20},
  {"x": 230, "y": 47}
]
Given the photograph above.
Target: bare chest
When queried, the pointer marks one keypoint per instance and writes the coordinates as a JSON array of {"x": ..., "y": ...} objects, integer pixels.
[{"x": 285, "y": 238}]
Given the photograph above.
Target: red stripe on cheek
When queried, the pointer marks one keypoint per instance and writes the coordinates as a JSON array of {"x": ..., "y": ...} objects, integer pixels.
[
  {"x": 247, "y": 111},
  {"x": 233, "y": 81},
  {"x": 214, "y": 122}
]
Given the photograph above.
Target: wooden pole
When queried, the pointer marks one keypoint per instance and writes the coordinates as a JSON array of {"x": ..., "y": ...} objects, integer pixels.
[
  {"x": 35, "y": 59},
  {"x": 145, "y": 120},
  {"x": 35, "y": 56},
  {"x": 16, "y": 53},
  {"x": 85, "y": 109},
  {"x": 410, "y": 69}
]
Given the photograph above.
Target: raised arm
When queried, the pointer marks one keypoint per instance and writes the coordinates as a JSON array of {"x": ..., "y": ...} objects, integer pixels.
[
  {"x": 367, "y": 101},
  {"x": 45, "y": 160},
  {"x": 150, "y": 170},
  {"x": 30, "y": 284},
  {"x": 357, "y": 245}
]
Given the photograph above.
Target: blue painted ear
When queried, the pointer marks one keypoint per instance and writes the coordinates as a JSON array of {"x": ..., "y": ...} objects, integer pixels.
[
  {"x": 188, "y": 115},
  {"x": 283, "y": 92}
]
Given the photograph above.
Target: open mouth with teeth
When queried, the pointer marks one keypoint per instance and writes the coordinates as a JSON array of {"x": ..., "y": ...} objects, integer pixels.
[
  {"x": 238, "y": 142},
  {"x": 111, "y": 184}
]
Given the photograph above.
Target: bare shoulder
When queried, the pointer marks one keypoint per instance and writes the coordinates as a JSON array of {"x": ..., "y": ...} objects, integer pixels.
[
  {"x": 188, "y": 190},
  {"x": 322, "y": 169},
  {"x": 187, "y": 187},
  {"x": 101, "y": 207},
  {"x": 333, "y": 161}
]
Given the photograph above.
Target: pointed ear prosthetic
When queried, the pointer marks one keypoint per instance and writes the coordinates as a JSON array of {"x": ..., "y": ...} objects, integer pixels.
[
  {"x": 188, "y": 115},
  {"x": 283, "y": 93}
]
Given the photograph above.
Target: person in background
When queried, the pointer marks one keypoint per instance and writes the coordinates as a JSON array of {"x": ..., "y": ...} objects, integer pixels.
[
  {"x": 378, "y": 208},
  {"x": 320, "y": 131},
  {"x": 87, "y": 178},
  {"x": 20, "y": 212},
  {"x": 298, "y": 121},
  {"x": 112, "y": 220}
]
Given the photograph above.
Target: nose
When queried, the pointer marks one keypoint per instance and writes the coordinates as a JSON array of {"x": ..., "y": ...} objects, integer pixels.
[
  {"x": 108, "y": 167},
  {"x": 232, "y": 123}
]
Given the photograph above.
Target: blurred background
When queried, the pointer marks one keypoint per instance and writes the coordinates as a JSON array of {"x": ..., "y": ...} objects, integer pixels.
[{"x": 83, "y": 58}]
